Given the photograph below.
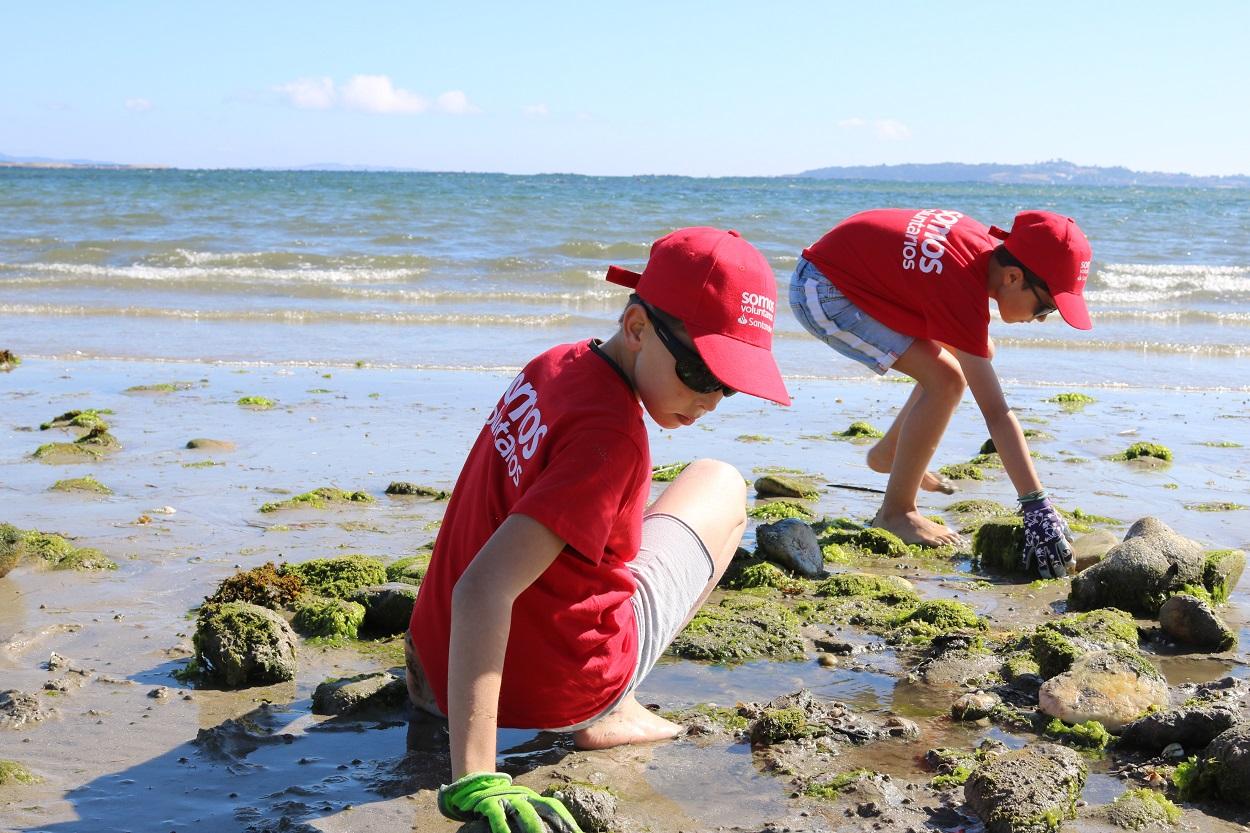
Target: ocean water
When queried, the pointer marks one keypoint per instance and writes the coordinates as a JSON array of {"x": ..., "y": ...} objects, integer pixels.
[{"x": 479, "y": 270}]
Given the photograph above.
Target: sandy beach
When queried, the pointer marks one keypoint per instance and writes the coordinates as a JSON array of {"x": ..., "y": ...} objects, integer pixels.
[{"x": 119, "y": 750}]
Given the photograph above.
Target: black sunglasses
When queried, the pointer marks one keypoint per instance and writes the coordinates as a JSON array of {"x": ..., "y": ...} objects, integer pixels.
[
  {"x": 1043, "y": 307},
  {"x": 689, "y": 366}
]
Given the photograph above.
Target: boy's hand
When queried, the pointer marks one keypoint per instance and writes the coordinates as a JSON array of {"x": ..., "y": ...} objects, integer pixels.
[
  {"x": 1046, "y": 539},
  {"x": 507, "y": 807}
]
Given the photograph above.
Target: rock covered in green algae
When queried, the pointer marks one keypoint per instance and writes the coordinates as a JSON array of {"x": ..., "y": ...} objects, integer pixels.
[
  {"x": 764, "y": 574},
  {"x": 402, "y": 487},
  {"x": 1191, "y": 621},
  {"x": 410, "y": 569},
  {"x": 1111, "y": 687},
  {"x": 1225, "y": 765},
  {"x": 1072, "y": 401},
  {"x": 160, "y": 387},
  {"x": 1137, "y": 451},
  {"x": 1141, "y": 572},
  {"x": 1221, "y": 570},
  {"x": 331, "y": 619},
  {"x": 777, "y": 485},
  {"x": 940, "y": 616},
  {"x": 319, "y": 498},
  {"x": 80, "y": 484},
  {"x": 1056, "y": 644},
  {"x": 741, "y": 628},
  {"x": 866, "y": 540},
  {"x": 8, "y": 360},
  {"x": 1142, "y": 809},
  {"x": 264, "y": 585},
  {"x": 93, "y": 445},
  {"x": 998, "y": 544},
  {"x": 862, "y": 430},
  {"x": 776, "y": 510},
  {"x": 12, "y": 548},
  {"x": 388, "y": 607},
  {"x": 338, "y": 577},
  {"x": 56, "y": 551},
  {"x": 1088, "y": 735},
  {"x": 1030, "y": 790},
  {"x": 869, "y": 586},
  {"x": 962, "y": 471},
  {"x": 352, "y": 694},
  {"x": 242, "y": 644},
  {"x": 87, "y": 419},
  {"x": 667, "y": 472},
  {"x": 256, "y": 403},
  {"x": 11, "y": 772}
]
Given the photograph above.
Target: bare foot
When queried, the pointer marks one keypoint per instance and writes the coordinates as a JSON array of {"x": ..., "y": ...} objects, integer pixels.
[
  {"x": 915, "y": 528},
  {"x": 629, "y": 722},
  {"x": 881, "y": 462}
]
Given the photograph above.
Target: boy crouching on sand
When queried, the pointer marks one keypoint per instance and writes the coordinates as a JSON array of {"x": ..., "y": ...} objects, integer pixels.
[
  {"x": 910, "y": 289},
  {"x": 553, "y": 588}
]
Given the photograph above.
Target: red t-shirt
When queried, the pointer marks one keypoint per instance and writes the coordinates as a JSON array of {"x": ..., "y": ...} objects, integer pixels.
[
  {"x": 566, "y": 446},
  {"x": 919, "y": 272}
]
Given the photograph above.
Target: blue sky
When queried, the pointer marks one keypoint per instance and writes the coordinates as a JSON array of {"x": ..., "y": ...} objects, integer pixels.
[{"x": 699, "y": 88}]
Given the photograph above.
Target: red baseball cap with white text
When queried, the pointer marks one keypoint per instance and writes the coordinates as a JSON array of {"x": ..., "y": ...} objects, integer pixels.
[
  {"x": 723, "y": 290},
  {"x": 1054, "y": 248}
]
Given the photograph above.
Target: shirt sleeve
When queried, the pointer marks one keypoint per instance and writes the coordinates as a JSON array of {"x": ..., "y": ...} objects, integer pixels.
[{"x": 589, "y": 481}]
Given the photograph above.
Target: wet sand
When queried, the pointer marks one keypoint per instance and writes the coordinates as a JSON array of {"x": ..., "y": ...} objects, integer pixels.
[{"x": 115, "y": 758}]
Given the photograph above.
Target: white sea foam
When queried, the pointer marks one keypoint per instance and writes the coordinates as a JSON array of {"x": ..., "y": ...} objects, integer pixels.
[{"x": 1126, "y": 283}]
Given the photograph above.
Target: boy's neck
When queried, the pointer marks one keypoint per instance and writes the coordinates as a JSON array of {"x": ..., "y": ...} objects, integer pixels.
[{"x": 614, "y": 349}]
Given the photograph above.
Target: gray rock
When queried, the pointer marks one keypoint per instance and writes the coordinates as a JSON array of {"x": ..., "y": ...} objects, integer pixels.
[
  {"x": 1091, "y": 548},
  {"x": 1141, "y": 572},
  {"x": 1191, "y": 621},
  {"x": 593, "y": 810},
  {"x": 1230, "y": 754},
  {"x": 388, "y": 607},
  {"x": 792, "y": 544},
  {"x": 1112, "y": 687},
  {"x": 776, "y": 486},
  {"x": 1193, "y": 727},
  {"x": 1022, "y": 791},
  {"x": 352, "y": 694},
  {"x": 975, "y": 705},
  {"x": 244, "y": 644},
  {"x": 18, "y": 709},
  {"x": 204, "y": 444}
]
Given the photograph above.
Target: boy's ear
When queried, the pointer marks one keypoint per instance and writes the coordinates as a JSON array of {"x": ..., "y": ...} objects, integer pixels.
[
  {"x": 632, "y": 325},
  {"x": 1012, "y": 275}
]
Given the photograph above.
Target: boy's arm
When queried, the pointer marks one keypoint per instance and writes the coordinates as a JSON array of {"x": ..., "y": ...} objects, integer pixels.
[
  {"x": 1004, "y": 429},
  {"x": 481, "y": 615}
]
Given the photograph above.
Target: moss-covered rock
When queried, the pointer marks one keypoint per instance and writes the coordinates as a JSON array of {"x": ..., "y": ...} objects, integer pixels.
[
  {"x": 265, "y": 586},
  {"x": 338, "y": 577},
  {"x": 81, "y": 484},
  {"x": 775, "y": 510},
  {"x": 1137, "y": 451},
  {"x": 766, "y": 574},
  {"x": 400, "y": 487},
  {"x": 54, "y": 550},
  {"x": 864, "y": 540},
  {"x": 868, "y": 586},
  {"x": 962, "y": 471},
  {"x": 86, "y": 419},
  {"x": 667, "y": 472},
  {"x": 998, "y": 544},
  {"x": 1141, "y": 572},
  {"x": 1072, "y": 401},
  {"x": 777, "y": 725},
  {"x": 319, "y": 499},
  {"x": 1030, "y": 790},
  {"x": 256, "y": 403},
  {"x": 940, "y": 616},
  {"x": 1056, "y": 644},
  {"x": 93, "y": 445},
  {"x": 329, "y": 619},
  {"x": 776, "y": 485},
  {"x": 410, "y": 569},
  {"x": 1142, "y": 809},
  {"x": 1221, "y": 570},
  {"x": 160, "y": 387},
  {"x": 242, "y": 644},
  {"x": 11, "y": 772},
  {"x": 861, "y": 430},
  {"x": 1088, "y": 735},
  {"x": 741, "y": 628}
]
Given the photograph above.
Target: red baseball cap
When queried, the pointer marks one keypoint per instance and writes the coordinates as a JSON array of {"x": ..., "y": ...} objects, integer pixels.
[
  {"x": 1054, "y": 248},
  {"x": 723, "y": 290}
]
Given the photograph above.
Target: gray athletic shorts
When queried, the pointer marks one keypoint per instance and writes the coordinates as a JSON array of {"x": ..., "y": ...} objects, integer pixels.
[{"x": 672, "y": 569}]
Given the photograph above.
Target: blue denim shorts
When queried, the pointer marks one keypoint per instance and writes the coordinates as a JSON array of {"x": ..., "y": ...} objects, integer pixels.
[{"x": 829, "y": 315}]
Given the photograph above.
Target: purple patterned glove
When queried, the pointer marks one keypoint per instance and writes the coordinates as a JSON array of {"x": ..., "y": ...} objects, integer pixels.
[{"x": 1046, "y": 539}]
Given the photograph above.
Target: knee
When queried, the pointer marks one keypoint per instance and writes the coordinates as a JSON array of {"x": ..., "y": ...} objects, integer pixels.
[
  {"x": 948, "y": 383},
  {"x": 722, "y": 483}
]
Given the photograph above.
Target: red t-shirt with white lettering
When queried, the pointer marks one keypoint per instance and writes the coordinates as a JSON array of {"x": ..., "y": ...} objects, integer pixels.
[
  {"x": 566, "y": 446},
  {"x": 920, "y": 272}
]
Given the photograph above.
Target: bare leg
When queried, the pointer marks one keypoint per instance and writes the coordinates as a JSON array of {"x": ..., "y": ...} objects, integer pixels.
[
  {"x": 881, "y": 455},
  {"x": 939, "y": 387},
  {"x": 710, "y": 497}
]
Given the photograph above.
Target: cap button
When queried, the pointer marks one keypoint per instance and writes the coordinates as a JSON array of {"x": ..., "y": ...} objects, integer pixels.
[{"x": 734, "y": 233}]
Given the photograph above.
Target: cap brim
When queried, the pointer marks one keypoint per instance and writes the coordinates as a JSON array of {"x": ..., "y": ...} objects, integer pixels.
[
  {"x": 623, "y": 277},
  {"x": 742, "y": 366},
  {"x": 1072, "y": 308}
]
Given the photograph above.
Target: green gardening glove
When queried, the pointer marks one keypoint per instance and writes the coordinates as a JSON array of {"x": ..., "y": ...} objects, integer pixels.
[{"x": 509, "y": 808}]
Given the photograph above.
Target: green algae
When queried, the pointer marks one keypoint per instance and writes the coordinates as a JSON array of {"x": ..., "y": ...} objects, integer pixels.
[
  {"x": 962, "y": 471},
  {"x": 868, "y": 586},
  {"x": 864, "y": 540},
  {"x": 202, "y": 464},
  {"x": 668, "y": 472},
  {"x": 1139, "y": 450},
  {"x": 264, "y": 586},
  {"x": 765, "y": 574},
  {"x": 87, "y": 419},
  {"x": 409, "y": 570},
  {"x": 1081, "y": 521},
  {"x": 1221, "y": 571},
  {"x": 55, "y": 550},
  {"x": 1056, "y": 644},
  {"x": 400, "y": 487},
  {"x": 1143, "y": 808},
  {"x": 242, "y": 644},
  {"x": 256, "y": 403},
  {"x": 861, "y": 430},
  {"x": 775, "y": 510},
  {"x": 1197, "y": 779},
  {"x": 11, "y": 772},
  {"x": 9, "y": 360},
  {"x": 318, "y": 499},
  {"x": 727, "y": 718},
  {"x": 94, "y": 444},
  {"x": 777, "y": 725},
  {"x": 753, "y": 438},
  {"x": 834, "y": 787},
  {"x": 741, "y": 628},
  {"x": 337, "y": 577},
  {"x": 160, "y": 387},
  {"x": 998, "y": 544},
  {"x": 836, "y": 554},
  {"x": 81, "y": 484},
  {"x": 940, "y": 616},
  {"x": 1090, "y": 735},
  {"x": 1072, "y": 401},
  {"x": 1221, "y": 444},
  {"x": 1215, "y": 506},
  {"x": 330, "y": 620},
  {"x": 1018, "y": 665}
]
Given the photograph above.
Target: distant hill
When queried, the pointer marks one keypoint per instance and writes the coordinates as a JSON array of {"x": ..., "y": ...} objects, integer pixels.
[
  {"x": 7, "y": 161},
  {"x": 1054, "y": 172}
]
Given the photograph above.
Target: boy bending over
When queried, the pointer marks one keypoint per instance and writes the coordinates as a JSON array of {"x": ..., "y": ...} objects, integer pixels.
[
  {"x": 553, "y": 588},
  {"x": 909, "y": 289}
]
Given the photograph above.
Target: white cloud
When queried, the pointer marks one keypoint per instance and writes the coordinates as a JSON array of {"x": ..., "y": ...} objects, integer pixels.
[
  {"x": 890, "y": 130},
  {"x": 535, "y": 111},
  {"x": 370, "y": 94},
  {"x": 138, "y": 105},
  {"x": 376, "y": 94},
  {"x": 309, "y": 93}
]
